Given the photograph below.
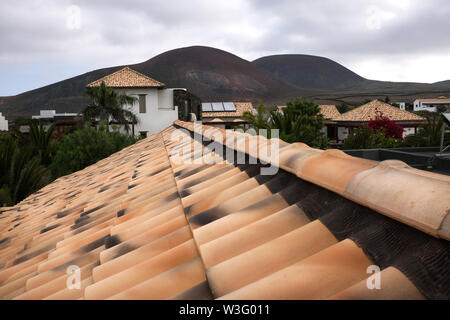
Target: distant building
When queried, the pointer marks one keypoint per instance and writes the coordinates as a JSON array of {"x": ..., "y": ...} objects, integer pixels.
[
  {"x": 431, "y": 104},
  {"x": 339, "y": 126},
  {"x": 225, "y": 115},
  {"x": 402, "y": 105},
  {"x": 62, "y": 121},
  {"x": 156, "y": 106},
  {"x": 3, "y": 123},
  {"x": 52, "y": 116},
  {"x": 360, "y": 116}
]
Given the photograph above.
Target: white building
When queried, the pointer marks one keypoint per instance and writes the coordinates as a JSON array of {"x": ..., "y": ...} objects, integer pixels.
[
  {"x": 51, "y": 115},
  {"x": 431, "y": 104},
  {"x": 154, "y": 106},
  {"x": 3, "y": 123}
]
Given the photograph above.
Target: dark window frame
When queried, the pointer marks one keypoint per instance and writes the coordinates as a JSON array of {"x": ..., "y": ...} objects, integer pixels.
[{"x": 142, "y": 103}]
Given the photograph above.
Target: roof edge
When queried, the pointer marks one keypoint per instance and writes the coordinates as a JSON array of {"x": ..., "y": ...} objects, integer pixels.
[{"x": 414, "y": 197}]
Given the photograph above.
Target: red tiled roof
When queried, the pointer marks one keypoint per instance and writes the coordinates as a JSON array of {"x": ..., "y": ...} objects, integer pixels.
[
  {"x": 127, "y": 77},
  {"x": 140, "y": 225},
  {"x": 368, "y": 112}
]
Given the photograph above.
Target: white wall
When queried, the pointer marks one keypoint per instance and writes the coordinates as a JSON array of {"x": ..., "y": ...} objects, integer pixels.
[
  {"x": 3, "y": 123},
  {"x": 160, "y": 111},
  {"x": 407, "y": 131},
  {"x": 419, "y": 106},
  {"x": 165, "y": 99},
  {"x": 342, "y": 133}
]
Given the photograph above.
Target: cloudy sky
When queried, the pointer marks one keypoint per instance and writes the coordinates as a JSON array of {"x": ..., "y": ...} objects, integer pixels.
[{"x": 44, "y": 41}]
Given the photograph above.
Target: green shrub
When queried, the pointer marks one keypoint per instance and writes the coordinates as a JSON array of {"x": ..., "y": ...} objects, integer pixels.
[
  {"x": 21, "y": 172},
  {"x": 366, "y": 138},
  {"x": 86, "y": 146},
  {"x": 299, "y": 121},
  {"x": 429, "y": 134}
]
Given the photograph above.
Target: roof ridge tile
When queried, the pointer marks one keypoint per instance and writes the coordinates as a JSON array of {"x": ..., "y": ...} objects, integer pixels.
[{"x": 366, "y": 182}]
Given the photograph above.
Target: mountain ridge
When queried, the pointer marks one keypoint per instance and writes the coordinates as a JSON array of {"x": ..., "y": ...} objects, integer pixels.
[{"x": 215, "y": 74}]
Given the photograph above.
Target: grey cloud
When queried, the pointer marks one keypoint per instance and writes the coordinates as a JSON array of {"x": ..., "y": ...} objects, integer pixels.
[{"x": 115, "y": 32}]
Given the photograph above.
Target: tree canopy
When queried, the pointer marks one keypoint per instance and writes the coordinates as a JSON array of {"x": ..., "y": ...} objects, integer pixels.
[
  {"x": 299, "y": 121},
  {"x": 108, "y": 105}
]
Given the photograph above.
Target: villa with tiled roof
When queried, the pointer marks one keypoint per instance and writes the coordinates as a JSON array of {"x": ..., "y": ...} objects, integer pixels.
[
  {"x": 342, "y": 124},
  {"x": 156, "y": 106},
  {"x": 338, "y": 126},
  {"x": 369, "y": 111},
  {"x": 431, "y": 104}
]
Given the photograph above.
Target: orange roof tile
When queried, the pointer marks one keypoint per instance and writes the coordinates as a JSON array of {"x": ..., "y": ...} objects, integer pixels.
[
  {"x": 329, "y": 111},
  {"x": 141, "y": 225},
  {"x": 127, "y": 77},
  {"x": 368, "y": 112}
]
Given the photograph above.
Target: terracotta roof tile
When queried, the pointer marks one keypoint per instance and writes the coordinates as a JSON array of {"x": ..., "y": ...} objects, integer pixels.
[
  {"x": 140, "y": 225},
  {"x": 329, "y": 112},
  {"x": 127, "y": 77}
]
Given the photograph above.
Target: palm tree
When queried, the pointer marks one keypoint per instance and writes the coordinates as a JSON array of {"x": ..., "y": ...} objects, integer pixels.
[
  {"x": 21, "y": 172},
  {"x": 259, "y": 119},
  {"x": 299, "y": 121},
  {"x": 39, "y": 137},
  {"x": 107, "y": 105}
]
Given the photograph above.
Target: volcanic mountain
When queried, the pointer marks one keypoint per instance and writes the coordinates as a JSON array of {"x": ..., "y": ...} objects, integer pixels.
[
  {"x": 210, "y": 73},
  {"x": 305, "y": 71},
  {"x": 217, "y": 75}
]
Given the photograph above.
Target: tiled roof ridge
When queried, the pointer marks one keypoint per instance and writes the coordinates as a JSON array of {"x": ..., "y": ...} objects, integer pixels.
[
  {"x": 126, "y": 68},
  {"x": 414, "y": 197}
]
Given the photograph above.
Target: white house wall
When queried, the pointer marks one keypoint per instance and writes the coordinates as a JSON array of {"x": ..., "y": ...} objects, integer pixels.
[
  {"x": 160, "y": 111},
  {"x": 3, "y": 123},
  {"x": 420, "y": 106},
  {"x": 165, "y": 99},
  {"x": 408, "y": 131},
  {"x": 342, "y": 133}
]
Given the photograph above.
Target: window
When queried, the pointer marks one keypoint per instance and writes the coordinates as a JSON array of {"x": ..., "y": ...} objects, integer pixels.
[
  {"x": 143, "y": 134},
  {"x": 142, "y": 105}
]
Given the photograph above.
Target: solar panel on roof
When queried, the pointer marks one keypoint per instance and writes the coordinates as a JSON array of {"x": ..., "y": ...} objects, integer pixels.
[
  {"x": 206, "y": 106},
  {"x": 217, "y": 106},
  {"x": 229, "y": 106}
]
